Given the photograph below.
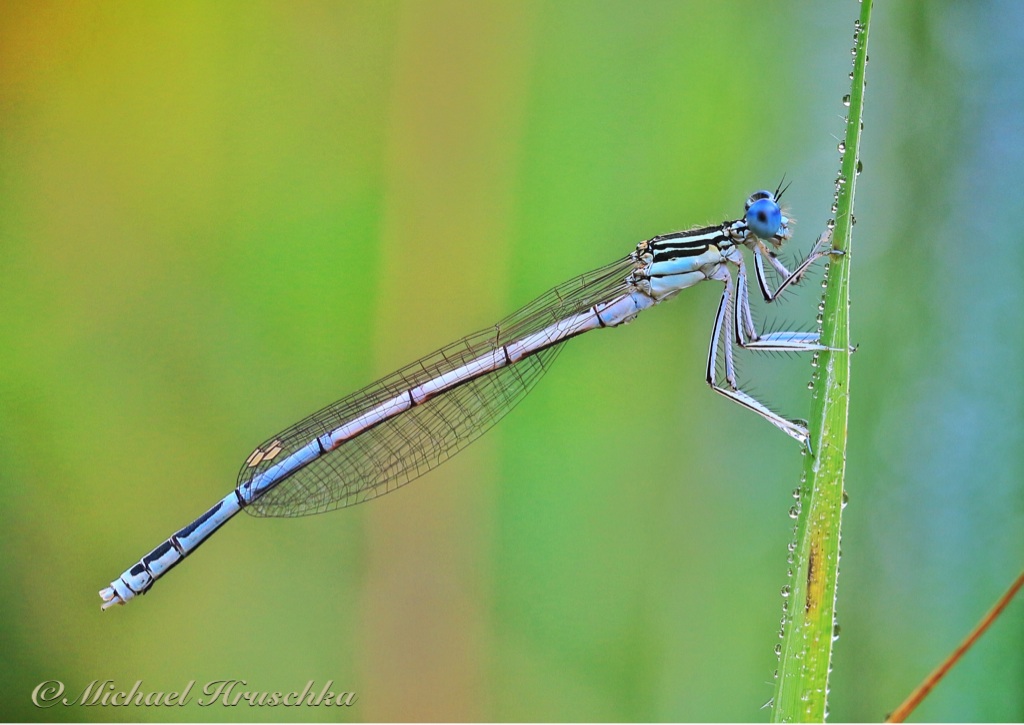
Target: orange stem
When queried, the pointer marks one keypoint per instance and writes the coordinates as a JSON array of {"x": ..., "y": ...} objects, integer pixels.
[{"x": 900, "y": 713}]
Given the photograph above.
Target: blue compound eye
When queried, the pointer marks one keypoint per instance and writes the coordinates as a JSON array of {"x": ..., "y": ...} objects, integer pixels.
[
  {"x": 764, "y": 218},
  {"x": 757, "y": 195}
]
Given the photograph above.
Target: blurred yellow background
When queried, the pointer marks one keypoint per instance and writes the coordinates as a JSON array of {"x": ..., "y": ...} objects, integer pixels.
[{"x": 216, "y": 218}]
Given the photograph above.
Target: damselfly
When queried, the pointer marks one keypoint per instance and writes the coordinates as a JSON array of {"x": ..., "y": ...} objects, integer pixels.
[{"x": 397, "y": 429}]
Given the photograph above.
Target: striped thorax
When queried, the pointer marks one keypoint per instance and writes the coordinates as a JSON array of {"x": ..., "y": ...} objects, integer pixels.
[{"x": 669, "y": 263}]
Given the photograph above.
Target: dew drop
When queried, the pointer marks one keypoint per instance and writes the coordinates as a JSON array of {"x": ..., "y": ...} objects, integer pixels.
[
  {"x": 796, "y": 493},
  {"x": 841, "y": 147},
  {"x": 846, "y": 498},
  {"x": 785, "y": 591},
  {"x": 794, "y": 511},
  {"x": 810, "y": 385},
  {"x": 778, "y": 650},
  {"x": 860, "y": 166},
  {"x": 835, "y": 632}
]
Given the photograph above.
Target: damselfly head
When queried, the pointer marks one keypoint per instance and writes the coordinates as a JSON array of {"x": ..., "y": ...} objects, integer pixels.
[{"x": 765, "y": 219}]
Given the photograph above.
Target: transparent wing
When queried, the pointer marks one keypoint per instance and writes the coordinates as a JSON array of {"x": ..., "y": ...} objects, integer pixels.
[{"x": 425, "y": 436}]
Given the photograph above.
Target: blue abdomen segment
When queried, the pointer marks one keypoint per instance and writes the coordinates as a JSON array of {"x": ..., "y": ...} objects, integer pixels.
[
  {"x": 266, "y": 480},
  {"x": 140, "y": 577}
]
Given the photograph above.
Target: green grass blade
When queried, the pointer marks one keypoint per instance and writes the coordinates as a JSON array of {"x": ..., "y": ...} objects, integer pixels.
[{"x": 801, "y": 688}]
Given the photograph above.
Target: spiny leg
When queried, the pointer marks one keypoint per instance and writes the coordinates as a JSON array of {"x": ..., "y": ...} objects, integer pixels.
[
  {"x": 821, "y": 248},
  {"x": 723, "y": 319},
  {"x": 747, "y": 335}
]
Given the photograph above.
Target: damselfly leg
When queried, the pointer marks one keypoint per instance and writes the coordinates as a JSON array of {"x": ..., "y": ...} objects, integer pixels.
[
  {"x": 822, "y": 248},
  {"x": 779, "y": 341},
  {"x": 735, "y": 319},
  {"x": 725, "y": 320}
]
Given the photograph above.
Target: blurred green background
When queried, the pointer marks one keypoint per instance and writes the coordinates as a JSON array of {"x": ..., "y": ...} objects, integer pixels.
[{"x": 216, "y": 218}]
